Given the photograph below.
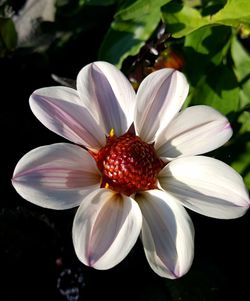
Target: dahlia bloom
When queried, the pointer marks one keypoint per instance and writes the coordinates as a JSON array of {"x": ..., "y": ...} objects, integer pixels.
[{"x": 133, "y": 167}]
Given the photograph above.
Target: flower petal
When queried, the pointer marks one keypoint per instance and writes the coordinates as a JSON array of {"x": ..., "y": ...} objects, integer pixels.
[
  {"x": 167, "y": 233},
  {"x": 109, "y": 96},
  {"x": 194, "y": 131},
  {"x": 65, "y": 117},
  {"x": 60, "y": 92},
  {"x": 105, "y": 229},
  {"x": 207, "y": 186},
  {"x": 160, "y": 96},
  {"x": 56, "y": 176}
]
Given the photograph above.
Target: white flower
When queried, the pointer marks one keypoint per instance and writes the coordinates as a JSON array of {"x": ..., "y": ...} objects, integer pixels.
[{"x": 133, "y": 168}]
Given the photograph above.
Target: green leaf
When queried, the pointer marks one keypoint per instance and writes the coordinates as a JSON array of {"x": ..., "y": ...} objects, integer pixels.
[
  {"x": 219, "y": 89},
  {"x": 97, "y": 2},
  {"x": 8, "y": 36},
  {"x": 210, "y": 7},
  {"x": 192, "y": 3},
  {"x": 209, "y": 40},
  {"x": 234, "y": 13},
  {"x": 205, "y": 48},
  {"x": 236, "y": 152},
  {"x": 241, "y": 160},
  {"x": 134, "y": 24},
  {"x": 126, "y": 38},
  {"x": 181, "y": 20},
  {"x": 244, "y": 119},
  {"x": 139, "y": 8},
  {"x": 242, "y": 164},
  {"x": 242, "y": 70}
]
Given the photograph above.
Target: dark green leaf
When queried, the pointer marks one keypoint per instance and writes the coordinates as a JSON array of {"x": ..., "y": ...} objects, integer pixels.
[
  {"x": 219, "y": 89},
  {"x": 205, "y": 48},
  {"x": 242, "y": 70},
  {"x": 210, "y": 7},
  {"x": 8, "y": 36},
  {"x": 244, "y": 119},
  {"x": 139, "y": 8},
  {"x": 126, "y": 38},
  {"x": 97, "y": 2},
  {"x": 181, "y": 20},
  {"x": 241, "y": 160}
]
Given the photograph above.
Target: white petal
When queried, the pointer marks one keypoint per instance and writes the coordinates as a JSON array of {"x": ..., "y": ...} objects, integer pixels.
[
  {"x": 207, "y": 186},
  {"x": 105, "y": 229},
  {"x": 194, "y": 131},
  {"x": 167, "y": 233},
  {"x": 160, "y": 96},
  {"x": 109, "y": 96},
  {"x": 60, "y": 92},
  {"x": 56, "y": 176},
  {"x": 65, "y": 117}
]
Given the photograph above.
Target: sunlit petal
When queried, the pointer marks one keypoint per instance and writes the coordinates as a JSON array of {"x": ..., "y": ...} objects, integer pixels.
[
  {"x": 207, "y": 186},
  {"x": 194, "y": 131},
  {"x": 108, "y": 95},
  {"x": 167, "y": 233},
  {"x": 106, "y": 227},
  {"x": 160, "y": 96},
  {"x": 57, "y": 176},
  {"x": 67, "y": 118}
]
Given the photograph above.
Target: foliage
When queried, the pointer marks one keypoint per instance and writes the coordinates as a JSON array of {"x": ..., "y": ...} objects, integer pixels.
[
  {"x": 8, "y": 36},
  {"x": 207, "y": 40},
  {"x": 183, "y": 20}
]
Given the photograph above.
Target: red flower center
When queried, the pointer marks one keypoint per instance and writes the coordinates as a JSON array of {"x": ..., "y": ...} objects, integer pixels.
[{"x": 128, "y": 164}]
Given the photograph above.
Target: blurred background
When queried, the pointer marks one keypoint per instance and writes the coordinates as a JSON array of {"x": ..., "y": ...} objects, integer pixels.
[{"x": 45, "y": 43}]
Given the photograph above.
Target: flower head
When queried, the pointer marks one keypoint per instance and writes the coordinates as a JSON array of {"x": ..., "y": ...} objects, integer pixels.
[{"x": 134, "y": 168}]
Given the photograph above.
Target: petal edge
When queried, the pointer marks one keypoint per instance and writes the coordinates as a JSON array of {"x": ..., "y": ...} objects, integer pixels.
[
  {"x": 160, "y": 97},
  {"x": 105, "y": 229},
  {"x": 207, "y": 186},
  {"x": 56, "y": 176},
  {"x": 196, "y": 130},
  {"x": 167, "y": 234}
]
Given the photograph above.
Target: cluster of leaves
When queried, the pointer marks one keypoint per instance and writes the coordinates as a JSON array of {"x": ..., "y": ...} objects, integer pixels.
[{"x": 207, "y": 39}]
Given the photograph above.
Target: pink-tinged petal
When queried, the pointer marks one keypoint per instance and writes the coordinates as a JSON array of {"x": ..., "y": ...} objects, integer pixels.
[
  {"x": 207, "y": 186},
  {"x": 60, "y": 92},
  {"x": 67, "y": 118},
  {"x": 160, "y": 97},
  {"x": 194, "y": 131},
  {"x": 108, "y": 95},
  {"x": 56, "y": 176},
  {"x": 167, "y": 233},
  {"x": 105, "y": 229}
]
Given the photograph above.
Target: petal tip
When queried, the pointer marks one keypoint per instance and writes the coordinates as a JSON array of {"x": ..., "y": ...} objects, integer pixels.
[
  {"x": 90, "y": 261},
  {"x": 248, "y": 204},
  {"x": 229, "y": 128},
  {"x": 176, "y": 275},
  {"x": 13, "y": 180}
]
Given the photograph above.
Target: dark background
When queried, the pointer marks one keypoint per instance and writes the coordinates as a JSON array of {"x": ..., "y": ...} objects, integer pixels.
[{"x": 37, "y": 259}]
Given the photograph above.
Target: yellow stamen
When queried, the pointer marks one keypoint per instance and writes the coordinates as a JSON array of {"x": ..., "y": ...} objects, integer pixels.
[
  {"x": 112, "y": 133},
  {"x": 106, "y": 185}
]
